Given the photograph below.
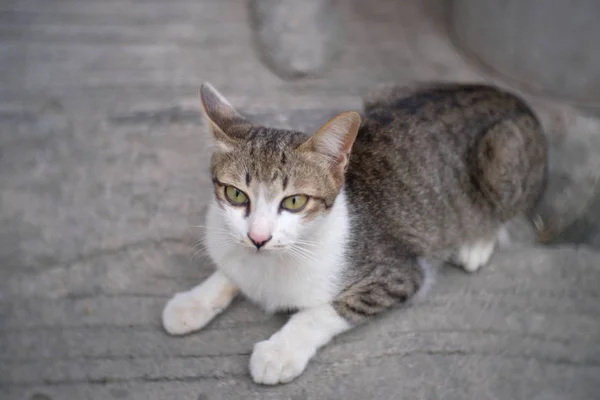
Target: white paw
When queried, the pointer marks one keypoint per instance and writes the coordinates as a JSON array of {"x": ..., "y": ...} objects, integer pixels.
[
  {"x": 474, "y": 256},
  {"x": 184, "y": 314},
  {"x": 273, "y": 361}
]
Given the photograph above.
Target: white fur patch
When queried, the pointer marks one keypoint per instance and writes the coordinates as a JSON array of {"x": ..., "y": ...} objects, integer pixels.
[
  {"x": 192, "y": 310},
  {"x": 300, "y": 267},
  {"x": 285, "y": 355},
  {"x": 474, "y": 255}
]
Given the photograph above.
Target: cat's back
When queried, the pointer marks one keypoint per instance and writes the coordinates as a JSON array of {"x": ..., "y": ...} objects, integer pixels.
[
  {"x": 419, "y": 158},
  {"x": 429, "y": 118}
]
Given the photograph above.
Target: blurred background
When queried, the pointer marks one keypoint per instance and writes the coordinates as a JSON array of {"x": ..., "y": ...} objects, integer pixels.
[{"x": 103, "y": 176}]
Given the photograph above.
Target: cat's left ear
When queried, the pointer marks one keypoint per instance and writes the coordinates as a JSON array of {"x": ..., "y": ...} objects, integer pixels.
[
  {"x": 335, "y": 138},
  {"x": 222, "y": 119}
]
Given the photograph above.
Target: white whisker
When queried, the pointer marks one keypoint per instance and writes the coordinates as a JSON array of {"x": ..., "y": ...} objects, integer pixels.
[
  {"x": 305, "y": 250},
  {"x": 307, "y": 242},
  {"x": 302, "y": 254}
]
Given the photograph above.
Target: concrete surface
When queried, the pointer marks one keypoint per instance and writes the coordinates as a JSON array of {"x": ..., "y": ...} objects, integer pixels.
[
  {"x": 103, "y": 176},
  {"x": 550, "y": 46}
]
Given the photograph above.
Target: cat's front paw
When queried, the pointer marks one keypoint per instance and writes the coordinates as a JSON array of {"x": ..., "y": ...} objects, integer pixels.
[
  {"x": 184, "y": 314},
  {"x": 273, "y": 361}
]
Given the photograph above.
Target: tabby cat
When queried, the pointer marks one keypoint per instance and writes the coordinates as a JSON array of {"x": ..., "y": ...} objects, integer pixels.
[{"x": 337, "y": 224}]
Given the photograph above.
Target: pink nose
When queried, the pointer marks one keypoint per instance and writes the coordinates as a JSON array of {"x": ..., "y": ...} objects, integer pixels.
[{"x": 259, "y": 239}]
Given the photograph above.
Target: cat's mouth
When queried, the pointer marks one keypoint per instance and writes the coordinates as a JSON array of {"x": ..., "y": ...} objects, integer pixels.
[
  {"x": 270, "y": 248},
  {"x": 274, "y": 248}
]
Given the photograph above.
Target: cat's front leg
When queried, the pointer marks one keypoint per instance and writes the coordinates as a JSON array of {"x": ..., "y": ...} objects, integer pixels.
[
  {"x": 285, "y": 355},
  {"x": 192, "y": 310}
]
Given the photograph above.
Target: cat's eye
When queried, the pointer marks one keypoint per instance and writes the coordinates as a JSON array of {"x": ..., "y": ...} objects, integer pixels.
[
  {"x": 235, "y": 196},
  {"x": 294, "y": 203}
]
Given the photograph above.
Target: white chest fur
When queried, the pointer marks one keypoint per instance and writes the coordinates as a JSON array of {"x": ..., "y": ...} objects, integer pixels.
[{"x": 277, "y": 280}]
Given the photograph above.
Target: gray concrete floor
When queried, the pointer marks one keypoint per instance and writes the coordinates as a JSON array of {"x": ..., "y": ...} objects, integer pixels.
[{"x": 103, "y": 176}]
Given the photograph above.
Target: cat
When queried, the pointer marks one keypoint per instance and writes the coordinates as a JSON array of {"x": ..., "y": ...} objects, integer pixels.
[{"x": 338, "y": 225}]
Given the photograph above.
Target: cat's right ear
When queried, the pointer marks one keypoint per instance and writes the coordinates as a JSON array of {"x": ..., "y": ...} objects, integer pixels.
[
  {"x": 220, "y": 116},
  {"x": 335, "y": 139}
]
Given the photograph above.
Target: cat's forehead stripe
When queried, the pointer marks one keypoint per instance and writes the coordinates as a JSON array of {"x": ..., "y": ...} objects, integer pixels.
[
  {"x": 285, "y": 182},
  {"x": 267, "y": 157}
]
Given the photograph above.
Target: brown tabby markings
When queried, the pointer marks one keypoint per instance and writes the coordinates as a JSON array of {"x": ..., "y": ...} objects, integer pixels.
[
  {"x": 433, "y": 167},
  {"x": 268, "y": 159}
]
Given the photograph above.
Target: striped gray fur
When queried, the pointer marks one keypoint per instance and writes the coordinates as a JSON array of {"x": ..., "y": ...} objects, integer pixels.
[{"x": 433, "y": 167}]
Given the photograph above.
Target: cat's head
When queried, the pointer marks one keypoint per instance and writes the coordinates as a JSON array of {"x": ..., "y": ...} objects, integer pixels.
[{"x": 273, "y": 186}]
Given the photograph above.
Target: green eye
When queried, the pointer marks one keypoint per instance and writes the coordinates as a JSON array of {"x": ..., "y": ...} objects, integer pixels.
[
  {"x": 235, "y": 196},
  {"x": 295, "y": 202}
]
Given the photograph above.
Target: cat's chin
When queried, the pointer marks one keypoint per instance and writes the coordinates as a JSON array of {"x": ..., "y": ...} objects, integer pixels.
[{"x": 265, "y": 251}]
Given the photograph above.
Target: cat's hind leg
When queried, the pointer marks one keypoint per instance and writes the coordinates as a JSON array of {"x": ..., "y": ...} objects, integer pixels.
[
  {"x": 475, "y": 254},
  {"x": 192, "y": 310}
]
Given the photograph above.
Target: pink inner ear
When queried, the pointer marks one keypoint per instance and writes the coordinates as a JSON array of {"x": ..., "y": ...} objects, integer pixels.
[
  {"x": 221, "y": 114},
  {"x": 336, "y": 137}
]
